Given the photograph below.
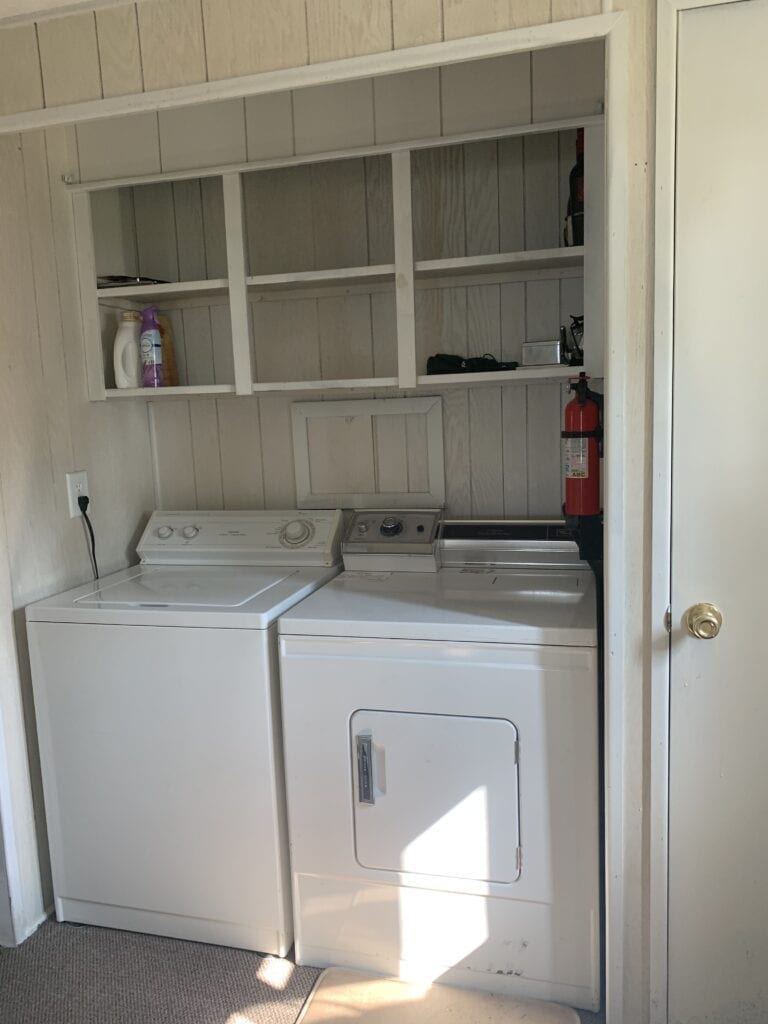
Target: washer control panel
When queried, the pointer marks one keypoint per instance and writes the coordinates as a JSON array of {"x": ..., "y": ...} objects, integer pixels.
[
  {"x": 293, "y": 537},
  {"x": 389, "y": 540}
]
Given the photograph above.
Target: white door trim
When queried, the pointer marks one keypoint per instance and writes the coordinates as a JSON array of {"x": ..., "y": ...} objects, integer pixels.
[
  {"x": 668, "y": 15},
  {"x": 624, "y": 489}
]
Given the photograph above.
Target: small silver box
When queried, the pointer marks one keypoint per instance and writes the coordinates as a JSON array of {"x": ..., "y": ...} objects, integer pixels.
[{"x": 542, "y": 353}]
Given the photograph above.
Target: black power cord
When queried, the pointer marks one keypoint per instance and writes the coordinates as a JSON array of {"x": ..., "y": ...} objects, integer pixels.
[{"x": 83, "y": 502}]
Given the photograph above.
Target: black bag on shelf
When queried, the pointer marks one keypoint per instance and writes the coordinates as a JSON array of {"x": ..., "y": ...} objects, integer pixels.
[{"x": 445, "y": 363}]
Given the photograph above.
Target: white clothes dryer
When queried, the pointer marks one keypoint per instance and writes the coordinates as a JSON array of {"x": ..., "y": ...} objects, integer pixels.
[
  {"x": 441, "y": 734},
  {"x": 157, "y": 699}
]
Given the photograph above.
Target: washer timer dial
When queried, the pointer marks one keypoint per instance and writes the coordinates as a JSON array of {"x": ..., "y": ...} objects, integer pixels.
[{"x": 296, "y": 533}]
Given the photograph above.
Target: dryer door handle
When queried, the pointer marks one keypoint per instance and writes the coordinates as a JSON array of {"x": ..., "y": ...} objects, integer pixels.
[{"x": 365, "y": 788}]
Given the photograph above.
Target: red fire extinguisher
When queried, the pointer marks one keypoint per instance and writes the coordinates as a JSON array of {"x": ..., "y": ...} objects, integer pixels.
[{"x": 582, "y": 447}]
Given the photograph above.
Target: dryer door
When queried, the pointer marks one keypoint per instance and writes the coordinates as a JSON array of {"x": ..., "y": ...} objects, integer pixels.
[{"x": 436, "y": 794}]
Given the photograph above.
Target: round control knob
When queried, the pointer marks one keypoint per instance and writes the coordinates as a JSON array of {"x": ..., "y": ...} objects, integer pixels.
[
  {"x": 296, "y": 532},
  {"x": 362, "y": 527},
  {"x": 391, "y": 526},
  {"x": 164, "y": 532},
  {"x": 189, "y": 532}
]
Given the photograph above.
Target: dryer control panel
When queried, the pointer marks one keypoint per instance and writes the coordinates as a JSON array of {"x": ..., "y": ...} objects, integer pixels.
[
  {"x": 393, "y": 541},
  {"x": 292, "y": 537}
]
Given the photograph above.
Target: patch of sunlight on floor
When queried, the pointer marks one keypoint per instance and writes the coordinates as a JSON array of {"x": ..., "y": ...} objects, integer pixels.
[{"x": 274, "y": 972}]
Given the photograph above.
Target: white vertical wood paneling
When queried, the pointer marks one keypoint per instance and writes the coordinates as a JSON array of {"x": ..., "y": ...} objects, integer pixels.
[
  {"x": 117, "y": 31},
  {"x": 390, "y": 455},
  {"x": 384, "y": 334},
  {"x": 481, "y": 198},
  {"x": 243, "y": 37},
  {"x": 206, "y": 458},
  {"x": 563, "y": 10},
  {"x": 568, "y": 80},
  {"x": 339, "y": 221},
  {"x": 544, "y": 477},
  {"x": 278, "y": 212},
  {"x": 475, "y": 17},
  {"x": 240, "y": 444},
  {"x": 286, "y": 340},
  {"x": 226, "y": 355},
  {"x": 69, "y": 59},
  {"x": 542, "y": 215},
  {"x": 348, "y": 28},
  {"x": 156, "y": 231},
  {"x": 457, "y": 455},
  {"x": 511, "y": 195},
  {"x": 328, "y": 117},
  {"x": 21, "y": 87},
  {"x": 210, "y": 134},
  {"x": 542, "y": 310},
  {"x": 118, "y": 147},
  {"x": 416, "y": 22},
  {"x": 172, "y": 435},
  {"x": 513, "y": 325},
  {"x": 486, "y": 93},
  {"x": 514, "y": 430},
  {"x": 407, "y": 106},
  {"x": 346, "y": 345},
  {"x": 172, "y": 47},
  {"x": 190, "y": 236},
  {"x": 198, "y": 344},
  {"x": 277, "y": 451},
  {"x": 438, "y": 203},
  {"x": 269, "y": 125},
  {"x": 485, "y": 451}
]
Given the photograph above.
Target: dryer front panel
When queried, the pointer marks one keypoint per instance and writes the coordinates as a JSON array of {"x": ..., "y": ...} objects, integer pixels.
[{"x": 435, "y": 794}]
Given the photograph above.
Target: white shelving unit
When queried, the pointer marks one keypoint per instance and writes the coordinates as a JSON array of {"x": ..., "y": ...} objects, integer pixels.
[{"x": 299, "y": 328}]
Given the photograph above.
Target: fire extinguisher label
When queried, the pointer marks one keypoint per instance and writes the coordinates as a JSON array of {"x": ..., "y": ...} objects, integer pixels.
[{"x": 575, "y": 458}]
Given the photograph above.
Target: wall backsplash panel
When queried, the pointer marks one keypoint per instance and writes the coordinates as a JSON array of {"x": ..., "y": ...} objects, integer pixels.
[{"x": 502, "y": 451}]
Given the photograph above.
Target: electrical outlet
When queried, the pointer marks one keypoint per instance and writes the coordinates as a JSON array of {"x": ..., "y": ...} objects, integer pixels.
[{"x": 77, "y": 485}]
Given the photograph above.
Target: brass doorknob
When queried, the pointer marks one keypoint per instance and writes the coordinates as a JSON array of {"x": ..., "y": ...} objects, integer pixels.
[{"x": 703, "y": 621}]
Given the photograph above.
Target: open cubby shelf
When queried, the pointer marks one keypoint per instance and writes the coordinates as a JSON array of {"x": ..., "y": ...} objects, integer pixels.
[{"x": 348, "y": 274}]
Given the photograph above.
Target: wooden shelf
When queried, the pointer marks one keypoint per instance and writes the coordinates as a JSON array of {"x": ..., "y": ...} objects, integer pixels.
[
  {"x": 301, "y": 279},
  {"x": 183, "y": 391},
  {"x": 175, "y": 290},
  {"x": 327, "y": 385},
  {"x": 520, "y": 376},
  {"x": 538, "y": 259}
]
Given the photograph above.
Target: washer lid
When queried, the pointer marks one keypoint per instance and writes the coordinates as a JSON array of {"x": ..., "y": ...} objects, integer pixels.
[
  {"x": 486, "y": 604},
  {"x": 205, "y": 587},
  {"x": 228, "y": 597}
]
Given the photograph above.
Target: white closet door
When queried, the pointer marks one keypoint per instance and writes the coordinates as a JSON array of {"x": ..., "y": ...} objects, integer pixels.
[
  {"x": 436, "y": 794},
  {"x": 718, "y": 892}
]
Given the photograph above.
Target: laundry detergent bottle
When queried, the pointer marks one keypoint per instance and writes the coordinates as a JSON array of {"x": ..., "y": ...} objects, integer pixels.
[
  {"x": 126, "y": 351},
  {"x": 151, "y": 345}
]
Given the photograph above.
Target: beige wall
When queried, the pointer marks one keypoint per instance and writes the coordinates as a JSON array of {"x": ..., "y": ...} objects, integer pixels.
[
  {"x": 48, "y": 427},
  {"x": 159, "y": 43}
]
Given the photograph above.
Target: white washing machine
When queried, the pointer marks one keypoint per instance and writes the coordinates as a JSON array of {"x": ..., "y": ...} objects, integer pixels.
[
  {"x": 157, "y": 699},
  {"x": 441, "y": 732}
]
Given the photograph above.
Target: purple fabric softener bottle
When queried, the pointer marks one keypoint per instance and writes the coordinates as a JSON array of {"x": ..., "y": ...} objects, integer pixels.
[{"x": 151, "y": 346}]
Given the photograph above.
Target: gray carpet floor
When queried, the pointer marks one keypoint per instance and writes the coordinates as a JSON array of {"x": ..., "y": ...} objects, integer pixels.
[
  {"x": 72, "y": 974},
  {"x": 67, "y": 974}
]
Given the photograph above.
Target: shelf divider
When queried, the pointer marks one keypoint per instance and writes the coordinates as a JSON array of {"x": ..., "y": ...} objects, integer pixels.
[
  {"x": 405, "y": 291},
  {"x": 89, "y": 303},
  {"x": 238, "y": 291}
]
